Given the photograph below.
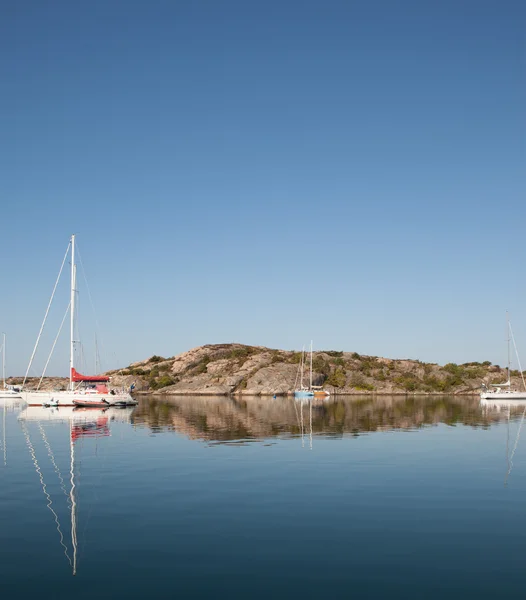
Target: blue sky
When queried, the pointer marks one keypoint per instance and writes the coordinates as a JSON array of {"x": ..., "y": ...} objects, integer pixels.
[{"x": 267, "y": 173}]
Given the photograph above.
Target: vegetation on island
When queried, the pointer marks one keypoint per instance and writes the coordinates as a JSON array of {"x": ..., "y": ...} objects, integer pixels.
[{"x": 238, "y": 368}]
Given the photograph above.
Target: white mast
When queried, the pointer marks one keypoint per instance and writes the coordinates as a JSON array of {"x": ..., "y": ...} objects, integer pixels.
[
  {"x": 508, "y": 332},
  {"x": 3, "y": 361},
  {"x": 302, "y": 362},
  {"x": 310, "y": 386},
  {"x": 72, "y": 315}
]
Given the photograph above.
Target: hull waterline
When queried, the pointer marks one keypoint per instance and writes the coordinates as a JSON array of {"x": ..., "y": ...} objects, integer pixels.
[
  {"x": 75, "y": 398},
  {"x": 503, "y": 395}
]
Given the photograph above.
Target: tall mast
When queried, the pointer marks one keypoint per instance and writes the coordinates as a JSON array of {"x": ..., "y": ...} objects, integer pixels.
[
  {"x": 508, "y": 332},
  {"x": 3, "y": 361},
  {"x": 310, "y": 386},
  {"x": 72, "y": 315},
  {"x": 302, "y": 361}
]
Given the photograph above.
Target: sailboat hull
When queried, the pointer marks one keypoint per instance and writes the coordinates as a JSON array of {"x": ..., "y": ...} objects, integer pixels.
[
  {"x": 10, "y": 394},
  {"x": 76, "y": 398},
  {"x": 303, "y": 394},
  {"x": 503, "y": 395}
]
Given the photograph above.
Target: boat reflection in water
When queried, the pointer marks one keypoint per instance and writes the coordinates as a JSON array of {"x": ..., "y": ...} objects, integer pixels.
[
  {"x": 8, "y": 404},
  {"x": 510, "y": 408},
  {"x": 82, "y": 423}
]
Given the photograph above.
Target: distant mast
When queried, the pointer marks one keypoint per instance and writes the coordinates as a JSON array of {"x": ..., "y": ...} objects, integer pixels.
[
  {"x": 310, "y": 386},
  {"x": 302, "y": 362},
  {"x": 3, "y": 363}
]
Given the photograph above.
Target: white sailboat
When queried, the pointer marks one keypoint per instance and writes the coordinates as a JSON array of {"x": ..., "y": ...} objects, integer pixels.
[
  {"x": 7, "y": 391},
  {"x": 503, "y": 391},
  {"x": 84, "y": 390}
]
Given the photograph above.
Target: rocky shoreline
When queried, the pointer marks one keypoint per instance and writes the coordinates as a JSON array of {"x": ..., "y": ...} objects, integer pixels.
[{"x": 240, "y": 370}]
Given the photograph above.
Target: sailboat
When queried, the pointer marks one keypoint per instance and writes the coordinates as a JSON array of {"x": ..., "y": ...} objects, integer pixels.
[
  {"x": 303, "y": 391},
  {"x": 84, "y": 390},
  {"x": 313, "y": 390},
  {"x": 7, "y": 391},
  {"x": 507, "y": 393}
]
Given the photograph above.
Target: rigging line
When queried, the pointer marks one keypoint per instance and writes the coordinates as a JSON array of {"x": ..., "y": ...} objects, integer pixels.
[
  {"x": 515, "y": 445},
  {"x": 517, "y": 355},
  {"x": 44, "y": 488},
  {"x": 97, "y": 325},
  {"x": 53, "y": 347},
  {"x": 52, "y": 458},
  {"x": 45, "y": 316}
]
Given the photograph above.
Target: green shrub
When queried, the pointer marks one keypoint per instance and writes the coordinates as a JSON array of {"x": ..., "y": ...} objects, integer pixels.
[
  {"x": 408, "y": 382},
  {"x": 165, "y": 381},
  {"x": 242, "y": 352},
  {"x": 436, "y": 384},
  {"x": 156, "y": 359},
  {"x": 320, "y": 365},
  {"x": 359, "y": 383},
  {"x": 275, "y": 357},
  {"x": 337, "y": 378},
  {"x": 201, "y": 366}
]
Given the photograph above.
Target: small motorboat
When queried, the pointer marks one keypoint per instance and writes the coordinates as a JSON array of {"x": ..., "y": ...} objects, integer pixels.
[
  {"x": 124, "y": 403},
  {"x": 49, "y": 403},
  {"x": 94, "y": 403}
]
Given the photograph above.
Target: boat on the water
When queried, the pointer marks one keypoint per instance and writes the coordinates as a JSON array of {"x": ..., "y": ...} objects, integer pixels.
[
  {"x": 303, "y": 391},
  {"x": 7, "y": 391},
  {"x": 504, "y": 391},
  {"x": 83, "y": 390},
  {"x": 319, "y": 392},
  {"x": 312, "y": 391},
  {"x": 88, "y": 403}
]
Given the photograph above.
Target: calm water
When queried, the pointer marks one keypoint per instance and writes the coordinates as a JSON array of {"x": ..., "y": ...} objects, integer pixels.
[{"x": 194, "y": 498}]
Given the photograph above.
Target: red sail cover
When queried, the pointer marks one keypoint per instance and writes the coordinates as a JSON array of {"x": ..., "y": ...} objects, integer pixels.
[
  {"x": 78, "y": 377},
  {"x": 99, "y": 428}
]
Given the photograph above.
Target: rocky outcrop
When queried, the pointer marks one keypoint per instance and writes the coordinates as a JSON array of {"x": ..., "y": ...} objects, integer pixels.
[{"x": 224, "y": 369}]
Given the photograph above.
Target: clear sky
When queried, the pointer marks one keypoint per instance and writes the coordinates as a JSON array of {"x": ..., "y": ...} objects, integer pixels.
[{"x": 266, "y": 172}]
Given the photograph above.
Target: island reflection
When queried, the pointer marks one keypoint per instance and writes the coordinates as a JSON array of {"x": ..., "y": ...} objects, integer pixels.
[{"x": 224, "y": 419}]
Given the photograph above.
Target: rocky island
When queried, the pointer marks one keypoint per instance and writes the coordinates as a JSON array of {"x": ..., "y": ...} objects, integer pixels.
[
  {"x": 224, "y": 369},
  {"x": 238, "y": 369}
]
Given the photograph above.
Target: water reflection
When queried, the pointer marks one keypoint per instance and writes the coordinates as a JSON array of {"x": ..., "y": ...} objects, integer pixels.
[
  {"x": 510, "y": 409},
  {"x": 81, "y": 423},
  {"x": 93, "y": 490},
  {"x": 222, "y": 419}
]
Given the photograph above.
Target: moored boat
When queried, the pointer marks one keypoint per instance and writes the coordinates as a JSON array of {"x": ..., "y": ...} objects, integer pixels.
[
  {"x": 84, "y": 390},
  {"x": 313, "y": 391},
  {"x": 503, "y": 391}
]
